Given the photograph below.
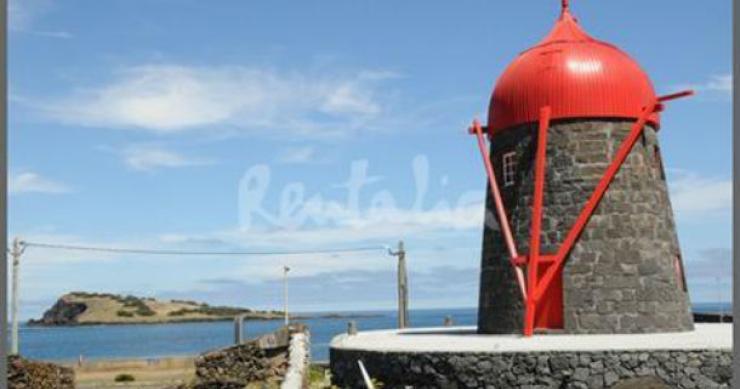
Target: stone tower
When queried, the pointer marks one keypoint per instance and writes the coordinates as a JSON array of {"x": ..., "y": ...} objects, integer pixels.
[{"x": 623, "y": 272}]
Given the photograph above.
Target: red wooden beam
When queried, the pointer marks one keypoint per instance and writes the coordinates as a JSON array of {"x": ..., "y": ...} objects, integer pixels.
[
  {"x": 523, "y": 260},
  {"x": 536, "y": 228},
  {"x": 597, "y": 195},
  {"x": 503, "y": 220},
  {"x": 674, "y": 96}
]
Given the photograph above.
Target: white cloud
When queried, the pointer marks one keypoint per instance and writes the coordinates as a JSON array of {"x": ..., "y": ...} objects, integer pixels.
[
  {"x": 173, "y": 98},
  {"x": 297, "y": 155},
  {"x": 693, "y": 194},
  {"x": 149, "y": 158},
  {"x": 709, "y": 274},
  {"x": 710, "y": 263},
  {"x": 30, "y": 182},
  {"x": 353, "y": 231},
  {"x": 718, "y": 83},
  {"x": 52, "y": 34},
  {"x": 24, "y": 14},
  {"x": 342, "y": 228},
  {"x": 21, "y": 13},
  {"x": 722, "y": 83}
]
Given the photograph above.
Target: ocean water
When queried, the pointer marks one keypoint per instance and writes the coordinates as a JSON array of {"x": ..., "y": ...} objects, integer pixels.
[
  {"x": 187, "y": 339},
  {"x": 161, "y": 340}
]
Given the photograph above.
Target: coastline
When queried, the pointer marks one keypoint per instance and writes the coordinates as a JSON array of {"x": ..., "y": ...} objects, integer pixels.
[
  {"x": 166, "y": 340},
  {"x": 329, "y": 316}
]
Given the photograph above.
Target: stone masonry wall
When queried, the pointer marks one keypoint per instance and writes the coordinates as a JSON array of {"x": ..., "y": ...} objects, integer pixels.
[
  {"x": 621, "y": 276},
  {"x": 264, "y": 360},
  {"x": 569, "y": 370},
  {"x": 28, "y": 374}
]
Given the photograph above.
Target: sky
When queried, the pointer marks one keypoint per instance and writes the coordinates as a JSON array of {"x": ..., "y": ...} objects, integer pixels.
[{"x": 258, "y": 126}]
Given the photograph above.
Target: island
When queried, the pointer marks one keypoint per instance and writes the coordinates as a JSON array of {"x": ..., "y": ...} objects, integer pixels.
[{"x": 84, "y": 308}]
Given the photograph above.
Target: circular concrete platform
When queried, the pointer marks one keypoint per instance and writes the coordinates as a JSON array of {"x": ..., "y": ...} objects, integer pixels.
[
  {"x": 465, "y": 339},
  {"x": 458, "y": 357}
]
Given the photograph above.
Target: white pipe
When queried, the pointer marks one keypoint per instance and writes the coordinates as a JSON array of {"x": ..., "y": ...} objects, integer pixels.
[{"x": 365, "y": 376}]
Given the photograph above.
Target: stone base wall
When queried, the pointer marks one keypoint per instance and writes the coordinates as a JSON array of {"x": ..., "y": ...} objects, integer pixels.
[
  {"x": 577, "y": 370},
  {"x": 241, "y": 364},
  {"x": 27, "y": 374},
  {"x": 264, "y": 360}
]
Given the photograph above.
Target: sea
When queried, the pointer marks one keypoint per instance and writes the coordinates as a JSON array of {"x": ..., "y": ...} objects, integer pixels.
[{"x": 152, "y": 341}]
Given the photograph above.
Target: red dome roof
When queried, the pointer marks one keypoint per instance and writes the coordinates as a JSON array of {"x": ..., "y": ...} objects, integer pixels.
[{"x": 576, "y": 75}]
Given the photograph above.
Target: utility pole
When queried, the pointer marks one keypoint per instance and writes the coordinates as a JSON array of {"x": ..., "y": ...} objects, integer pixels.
[
  {"x": 403, "y": 290},
  {"x": 16, "y": 251},
  {"x": 285, "y": 294}
]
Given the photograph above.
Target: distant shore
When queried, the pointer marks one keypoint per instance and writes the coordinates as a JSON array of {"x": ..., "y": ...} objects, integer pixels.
[
  {"x": 85, "y": 308},
  {"x": 328, "y": 316}
]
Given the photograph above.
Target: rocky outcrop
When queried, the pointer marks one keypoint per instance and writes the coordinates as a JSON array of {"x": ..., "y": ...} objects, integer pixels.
[
  {"x": 63, "y": 312},
  {"x": 26, "y": 374}
]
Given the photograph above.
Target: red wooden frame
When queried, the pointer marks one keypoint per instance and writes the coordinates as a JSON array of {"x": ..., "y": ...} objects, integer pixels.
[
  {"x": 539, "y": 283},
  {"x": 536, "y": 227},
  {"x": 503, "y": 220}
]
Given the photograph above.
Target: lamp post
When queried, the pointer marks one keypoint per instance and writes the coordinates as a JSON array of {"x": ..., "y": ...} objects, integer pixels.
[
  {"x": 286, "y": 269},
  {"x": 16, "y": 252}
]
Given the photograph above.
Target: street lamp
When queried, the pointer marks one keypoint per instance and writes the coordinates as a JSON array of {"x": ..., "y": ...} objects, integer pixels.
[{"x": 286, "y": 269}]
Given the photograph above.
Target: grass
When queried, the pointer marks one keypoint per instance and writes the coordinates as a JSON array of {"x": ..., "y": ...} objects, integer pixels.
[
  {"x": 211, "y": 311},
  {"x": 125, "y": 377},
  {"x": 319, "y": 378}
]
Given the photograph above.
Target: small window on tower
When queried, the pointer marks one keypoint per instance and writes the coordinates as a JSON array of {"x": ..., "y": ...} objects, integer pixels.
[{"x": 509, "y": 168}]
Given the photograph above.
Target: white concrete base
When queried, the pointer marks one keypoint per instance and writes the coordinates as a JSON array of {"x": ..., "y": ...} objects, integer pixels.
[{"x": 714, "y": 336}]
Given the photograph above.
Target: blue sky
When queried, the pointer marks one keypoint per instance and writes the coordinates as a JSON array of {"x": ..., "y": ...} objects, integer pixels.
[{"x": 143, "y": 124}]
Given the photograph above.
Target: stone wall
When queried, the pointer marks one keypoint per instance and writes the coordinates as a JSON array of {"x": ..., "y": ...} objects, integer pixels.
[
  {"x": 27, "y": 374},
  {"x": 241, "y": 364},
  {"x": 299, "y": 353},
  {"x": 621, "y": 276},
  {"x": 262, "y": 360},
  {"x": 570, "y": 370}
]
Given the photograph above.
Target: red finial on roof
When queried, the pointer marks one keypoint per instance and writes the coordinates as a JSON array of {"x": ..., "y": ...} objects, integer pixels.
[{"x": 565, "y": 7}]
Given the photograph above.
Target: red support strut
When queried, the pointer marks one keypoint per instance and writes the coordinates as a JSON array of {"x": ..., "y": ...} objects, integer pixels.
[
  {"x": 503, "y": 220},
  {"x": 534, "y": 239},
  {"x": 603, "y": 185}
]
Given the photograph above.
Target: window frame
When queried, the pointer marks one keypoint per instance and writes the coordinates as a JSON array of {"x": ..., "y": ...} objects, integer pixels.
[{"x": 508, "y": 167}]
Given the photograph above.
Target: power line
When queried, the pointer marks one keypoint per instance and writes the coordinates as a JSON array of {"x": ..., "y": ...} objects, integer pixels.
[{"x": 186, "y": 252}]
